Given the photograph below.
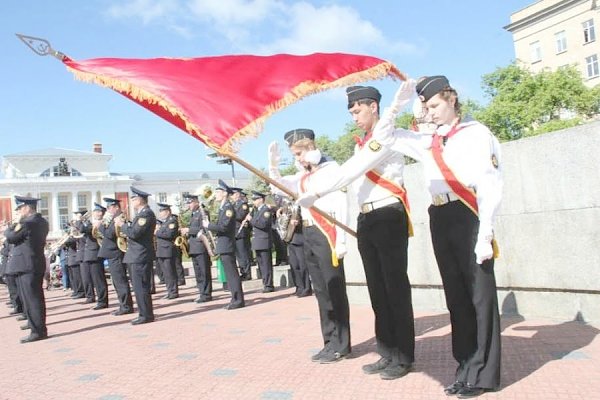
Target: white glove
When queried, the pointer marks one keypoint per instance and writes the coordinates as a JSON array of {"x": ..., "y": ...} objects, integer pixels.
[
  {"x": 483, "y": 247},
  {"x": 307, "y": 199},
  {"x": 340, "y": 250},
  {"x": 274, "y": 155},
  {"x": 312, "y": 156},
  {"x": 403, "y": 95},
  {"x": 386, "y": 125}
]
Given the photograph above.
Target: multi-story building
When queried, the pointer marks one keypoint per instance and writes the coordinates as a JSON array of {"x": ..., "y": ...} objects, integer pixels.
[
  {"x": 69, "y": 180},
  {"x": 550, "y": 34}
]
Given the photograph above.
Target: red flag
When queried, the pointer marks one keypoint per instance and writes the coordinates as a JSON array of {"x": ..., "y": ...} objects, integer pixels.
[{"x": 219, "y": 100}]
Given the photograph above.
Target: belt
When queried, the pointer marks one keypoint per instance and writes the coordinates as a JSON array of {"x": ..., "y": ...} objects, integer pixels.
[
  {"x": 443, "y": 198},
  {"x": 374, "y": 205},
  {"x": 307, "y": 222}
]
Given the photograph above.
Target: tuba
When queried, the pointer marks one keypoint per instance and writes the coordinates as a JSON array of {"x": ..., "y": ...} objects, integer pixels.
[
  {"x": 121, "y": 237},
  {"x": 285, "y": 215}
]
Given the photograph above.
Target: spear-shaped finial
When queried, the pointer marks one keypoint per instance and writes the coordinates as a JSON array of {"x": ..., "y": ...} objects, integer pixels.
[{"x": 41, "y": 47}]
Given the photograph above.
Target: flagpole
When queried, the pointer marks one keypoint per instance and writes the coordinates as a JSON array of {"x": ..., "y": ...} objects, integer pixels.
[{"x": 284, "y": 189}]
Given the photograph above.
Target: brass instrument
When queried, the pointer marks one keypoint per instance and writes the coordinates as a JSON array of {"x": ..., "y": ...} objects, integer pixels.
[
  {"x": 5, "y": 225},
  {"x": 77, "y": 234},
  {"x": 181, "y": 241},
  {"x": 121, "y": 237},
  {"x": 285, "y": 215},
  {"x": 55, "y": 247}
]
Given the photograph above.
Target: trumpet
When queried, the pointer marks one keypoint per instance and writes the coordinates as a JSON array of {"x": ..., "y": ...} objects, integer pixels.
[
  {"x": 181, "y": 241},
  {"x": 121, "y": 237},
  {"x": 76, "y": 233}
]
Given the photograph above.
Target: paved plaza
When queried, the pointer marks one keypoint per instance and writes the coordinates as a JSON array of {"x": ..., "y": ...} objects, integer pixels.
[{"x": 263, "y": 351}]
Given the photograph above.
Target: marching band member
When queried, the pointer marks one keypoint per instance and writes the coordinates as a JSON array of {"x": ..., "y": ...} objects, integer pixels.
[
  {"x": 140, "y": 253},
  {"x": 95, "y": 264},
  {"x": 84, "y": 268},
  {"x": 224, "y": 229},
  {"x": 74, "y": 264},
  {"x": 324, "y": 243},
  {"x": 166, "y": 233},
  {"x": 110, "y": 251},
  {"x": 28, "y": 263},
  {"x": 242, "y": 251},
  {"x": 199, "y": 249},
  {"x": 260, "y": 221}
]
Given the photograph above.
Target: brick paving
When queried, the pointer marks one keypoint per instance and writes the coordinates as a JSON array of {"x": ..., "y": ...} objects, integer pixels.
[{"x": 263, "y": 352}]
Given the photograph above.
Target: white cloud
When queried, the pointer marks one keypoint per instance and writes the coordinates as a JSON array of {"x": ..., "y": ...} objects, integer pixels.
[
  {"x": 233, "y": 12},
  {"x": 147, "y": 10}
]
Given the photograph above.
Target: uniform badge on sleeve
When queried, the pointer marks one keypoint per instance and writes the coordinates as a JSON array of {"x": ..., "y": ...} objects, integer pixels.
[
  {"x": 228, "y": 213},
  {"x": 171, "y": 226},
  {"x": 142, "y": 221},
  {"x": 494, "y": 161},
  {"x": 374, "y": 145}
]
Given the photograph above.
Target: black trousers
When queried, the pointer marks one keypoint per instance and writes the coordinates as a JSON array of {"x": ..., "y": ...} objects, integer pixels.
[
  {"x": 265, "y": 264},
  {"x": 34, "y": 304},
  {"x": 382, "y": 236},
  {"x": 118, "y": 274},
  {"x": 471, "y": 295},
  {"x": 243, "y": 256},
  {"x": 13, "y": 292},
  {"x": 99, "y": 281},
  {"x": 141, "y": 276},
  {"x": 233, "y": 278},
  {"x": 299, "y": 268},
  {"x": 203, "y": 274},
  {"x": 76, "y": 282},
  {"x": 167, "y": 265},
  {"x": 329, "y": 286},
  {"x": 87, "y": 282},
  {"x": 179, "y": 267}
]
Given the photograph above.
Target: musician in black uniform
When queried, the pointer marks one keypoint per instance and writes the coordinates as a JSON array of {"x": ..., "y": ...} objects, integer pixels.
[
  {"x": 111, "y": 252},
  {"x": 179, "y": 267},
  {"x": 199, "y": 249},
  {"x": 11, "y": 281},
  {"x": 262, "y": 240},
  {"x": 28, "y": 262},
  {"x": 296, "y": 256},
  {"x": 84, "y": 268},
  {"x": 140, "y": 253},
  {"x": 74, "y": 268},
  {"x": 165, "y": 233},
  {"x": 242, "y": 252},
  {"x": 95, "y": 264},
  {"x": 224, "y": 229}
]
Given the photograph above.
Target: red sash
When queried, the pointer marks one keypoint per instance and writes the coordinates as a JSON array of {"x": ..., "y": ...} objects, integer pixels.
[
  {"x": 325, "y": 226},
  {"x": 397, "y": 191},
  {"x": 464, "y": 193}
]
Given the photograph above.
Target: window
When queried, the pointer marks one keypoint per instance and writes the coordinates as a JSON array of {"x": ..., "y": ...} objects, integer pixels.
[
  {"x": 589, "y": 34},
  {"x": 162, "y": 197},
  {"x": 63, "y": 210},
  {"x": 81, "y": 201},
  {"x": 535, "y": 52},
  {"x": 43, "y": 206},
  {"x": 561, "y": 42},
  {"x": 593, "y": 70}
]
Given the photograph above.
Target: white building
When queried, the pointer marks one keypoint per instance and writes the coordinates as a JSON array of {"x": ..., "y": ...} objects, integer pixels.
[
  {"x": 69, "y": 180},
  {"x": 550, "y": 34}
]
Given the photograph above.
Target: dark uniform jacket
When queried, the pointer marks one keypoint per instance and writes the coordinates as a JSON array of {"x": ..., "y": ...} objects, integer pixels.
[
  {"x": 298, "y": 236},
  {"x": 71, "y": 246},
  {"x": 90, "y": 252},
  {"x": 5, "y": 253},
  {"x": 262, "y": 222},
  {"x": 224, "y": 229},
  {"x": 196, "y": 245},
  {"x": 165, "y": 237},
  {"x": 29, "y": 239},
  {"x": 80, "y": 241},
  {"x": 140, "y": 237},
  {"x": 109, "y": 249},
  {"x": 241, "y": 211}
]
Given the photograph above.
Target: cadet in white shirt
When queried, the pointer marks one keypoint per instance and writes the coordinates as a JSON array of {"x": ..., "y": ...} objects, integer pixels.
[
  {"x": 462, "y": 168},
  {"x": 324, "y": 243}
]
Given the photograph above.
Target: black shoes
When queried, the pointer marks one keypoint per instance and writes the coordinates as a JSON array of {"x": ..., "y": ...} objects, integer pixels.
[
  {"x": 141, "y": 320},
  {"x": 202, "y": 299},
  {"x": 15, "y": 312},
  {"x": 233, "y": 306},
  {"x": 377, "y": 366},
  {"x": 121, "y": 312},
  {"x": 268, "y": 290},
  {"x": 100, "y": 306},
  {"x": 33, "y": 337},
  {"x": 332, "y": 357},
  {"x": 396, "y": 371},
  {"x": 453, "y": 389},
  {"x": 21, "y": 317},
  {"x": 317, "y": 357},
  {"x": 170, "y": 296},
  {"x": 25, "y": 327},
  {"x": 469, "y": 391},
  {"x": 89, "y": 301}
]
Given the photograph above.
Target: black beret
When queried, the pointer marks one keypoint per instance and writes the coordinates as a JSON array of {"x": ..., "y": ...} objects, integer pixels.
[
  {"x": 430, "y": 86},
  {"x": 294, "y": 135},
  {"x": 355, "y": 93}
]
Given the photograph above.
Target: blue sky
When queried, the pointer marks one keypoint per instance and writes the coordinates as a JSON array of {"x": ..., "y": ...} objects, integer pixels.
[{"x": 43, "y": 106}]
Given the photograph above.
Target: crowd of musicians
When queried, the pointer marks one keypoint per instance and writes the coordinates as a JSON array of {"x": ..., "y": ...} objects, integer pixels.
[{"x": 461, "y": 159}]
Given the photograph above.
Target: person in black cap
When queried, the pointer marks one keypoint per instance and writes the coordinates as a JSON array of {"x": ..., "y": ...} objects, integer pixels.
[
  {"x": 224, "y": 229},
  {"x": 240, "y": 205},
  {"x": 81, "y": 218},
  {"x": 261, "y": 221},
  {"x": 27, "y": 261},
  {"x": 140, "y": 253},
  {"x": 324, "y": 243},
  {"x": 200, "y": 248},
  {"x": 110, "y": 251},
  {"x": 73, "y": 262},
  {"x": 466, "y": 190},
  {"x": 383, "y": 229},
  {"x": 91, "y": 261},
  {"x": 165, "y": 248}
]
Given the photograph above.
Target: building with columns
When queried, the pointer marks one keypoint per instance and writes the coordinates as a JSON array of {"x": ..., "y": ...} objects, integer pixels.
[
  {"x": 549, "y": 34},
  {"x": 69, "y": 180}
]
